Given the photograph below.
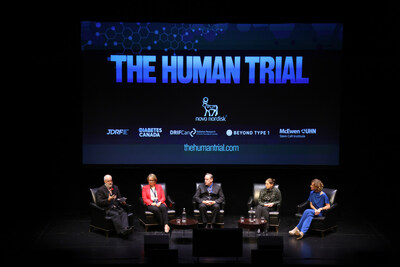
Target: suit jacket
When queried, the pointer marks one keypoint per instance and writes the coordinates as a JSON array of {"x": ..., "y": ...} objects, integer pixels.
[
  {"x": 202, "y": 194},
  {"x": 102, "y": 197},
  {"x": 147, "y": 197}
]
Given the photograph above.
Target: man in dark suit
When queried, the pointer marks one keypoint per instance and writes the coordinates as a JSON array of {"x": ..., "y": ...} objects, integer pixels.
[
  {"x": 107, "y": 197},
  {"x": 209, "y": 196}
]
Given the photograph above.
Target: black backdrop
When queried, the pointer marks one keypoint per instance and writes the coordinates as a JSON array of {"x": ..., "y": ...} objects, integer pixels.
[{"x": 56, "y": 184}]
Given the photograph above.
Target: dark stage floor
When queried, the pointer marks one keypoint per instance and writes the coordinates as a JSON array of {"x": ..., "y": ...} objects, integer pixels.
[{"x": 68, "y": 241}]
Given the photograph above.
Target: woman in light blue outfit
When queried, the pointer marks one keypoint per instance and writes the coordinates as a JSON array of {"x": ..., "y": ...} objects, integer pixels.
[{"x": 319, "y": 202}]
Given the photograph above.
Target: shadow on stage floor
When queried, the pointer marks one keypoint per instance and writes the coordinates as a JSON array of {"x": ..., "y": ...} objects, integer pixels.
[{"x": 68, "y": 241}]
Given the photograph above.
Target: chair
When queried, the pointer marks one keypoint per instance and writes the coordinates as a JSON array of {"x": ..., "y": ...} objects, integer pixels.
[
  {"x": 274, "y": 217},
  {"x": 220, "y": 217},
  {"x": 146, "y": 217},
  {"x": 328, "y": 220},
  {"x": 99, "y": 219}
]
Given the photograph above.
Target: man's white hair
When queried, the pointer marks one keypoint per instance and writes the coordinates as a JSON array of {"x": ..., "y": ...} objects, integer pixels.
[{"x": 107, "y": 176}]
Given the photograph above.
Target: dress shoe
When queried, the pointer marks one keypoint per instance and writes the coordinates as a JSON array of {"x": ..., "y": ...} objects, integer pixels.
[{"x": 127, "y": 231}]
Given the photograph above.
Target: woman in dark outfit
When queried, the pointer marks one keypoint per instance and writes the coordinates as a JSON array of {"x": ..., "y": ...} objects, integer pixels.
[{"x": 267, "y": 201}]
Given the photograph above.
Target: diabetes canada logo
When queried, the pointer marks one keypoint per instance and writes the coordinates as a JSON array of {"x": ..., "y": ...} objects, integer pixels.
[
  {"x": 210, "y": 112},
  {"x": 150, "y": 132}
]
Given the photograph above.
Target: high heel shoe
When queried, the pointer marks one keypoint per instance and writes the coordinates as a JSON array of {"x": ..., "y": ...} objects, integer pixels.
[
  {"x": 295, "y": 231},
  {"x": 301, "y": 235},
  {"x": 167, "y": 229}
]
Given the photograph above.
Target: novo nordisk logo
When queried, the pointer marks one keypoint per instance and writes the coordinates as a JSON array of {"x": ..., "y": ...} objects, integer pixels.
[{"x": 210, "y": 112}]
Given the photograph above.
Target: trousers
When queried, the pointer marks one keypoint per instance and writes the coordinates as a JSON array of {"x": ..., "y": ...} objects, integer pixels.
[
  {"x": 119, "y": 217},
  {"x": 161, "y": 213},
  {"x": 203, "y": 212},
  {"x": 262, "y": 211},
  {"x": 306, "y": 219}
]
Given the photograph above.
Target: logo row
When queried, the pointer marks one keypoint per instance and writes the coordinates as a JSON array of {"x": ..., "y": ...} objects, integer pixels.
[{"x": 157, "y": 132}]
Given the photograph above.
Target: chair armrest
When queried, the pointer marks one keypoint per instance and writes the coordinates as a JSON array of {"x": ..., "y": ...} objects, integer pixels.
[
  {"x": 141, "y": 201},
  {"x": 170, "y": 203},
  {"x": 194, "y": 204},
  {"x": 141, "y": 209},
  {"x": 97, "y": 213},
  {"x": 332, "y": 210},
  {"x": 128, "y": 208},
  {"x": 222, "y": 205},
  {"x": 94, "y": 207},
  {"x": 250, "y": 202},
  {"x": 303, "y": 206},
  {"x": 278, "y": 207}
]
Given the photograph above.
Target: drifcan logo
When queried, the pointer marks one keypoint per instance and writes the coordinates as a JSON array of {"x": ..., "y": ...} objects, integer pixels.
[{"x": 210, "y": 112}]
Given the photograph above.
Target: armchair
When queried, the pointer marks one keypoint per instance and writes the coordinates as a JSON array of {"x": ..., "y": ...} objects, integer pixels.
[
  {"x": 220, "y": 217},
  {"x": 99, "y": 219},
  {"x": 328, "y": 219},
  {"x": 253, "y": 202},
  {"x": 146, "y": 217}
]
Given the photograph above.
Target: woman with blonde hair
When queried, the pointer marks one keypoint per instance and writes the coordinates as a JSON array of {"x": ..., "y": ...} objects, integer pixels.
[
  {"x": 154, "y": 198},
  {"x": 319, "y": 202}
]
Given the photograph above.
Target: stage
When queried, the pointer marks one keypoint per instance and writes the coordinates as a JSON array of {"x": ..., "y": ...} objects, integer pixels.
[
  {"x": 52, "y": 211},
  {"x": 68, "y": 241}
]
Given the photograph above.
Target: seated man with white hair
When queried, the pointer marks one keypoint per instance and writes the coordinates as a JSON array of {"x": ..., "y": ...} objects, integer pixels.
[{"x": 106, "y": 197}]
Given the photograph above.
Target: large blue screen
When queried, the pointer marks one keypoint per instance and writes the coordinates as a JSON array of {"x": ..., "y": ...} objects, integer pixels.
[{"x": 254, "y": 94}]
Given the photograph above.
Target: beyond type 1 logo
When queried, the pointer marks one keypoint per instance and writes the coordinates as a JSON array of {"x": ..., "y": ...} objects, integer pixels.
[{"x": 210, "y": 112}]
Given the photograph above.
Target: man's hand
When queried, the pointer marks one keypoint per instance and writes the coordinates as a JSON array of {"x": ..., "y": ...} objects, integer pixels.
[
  {"x": 209, "y": 202},
  {"x": 269, "y": 205},
  {"x": 111, "y": 197}
]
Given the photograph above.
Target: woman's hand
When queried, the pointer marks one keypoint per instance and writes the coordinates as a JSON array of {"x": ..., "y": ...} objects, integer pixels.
[{"x": 317, "y": 212}]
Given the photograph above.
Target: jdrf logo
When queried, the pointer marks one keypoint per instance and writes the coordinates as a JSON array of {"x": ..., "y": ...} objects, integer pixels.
[
  {"x": 117, "y": 131},
  {"x": 210, "y": 112}
]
